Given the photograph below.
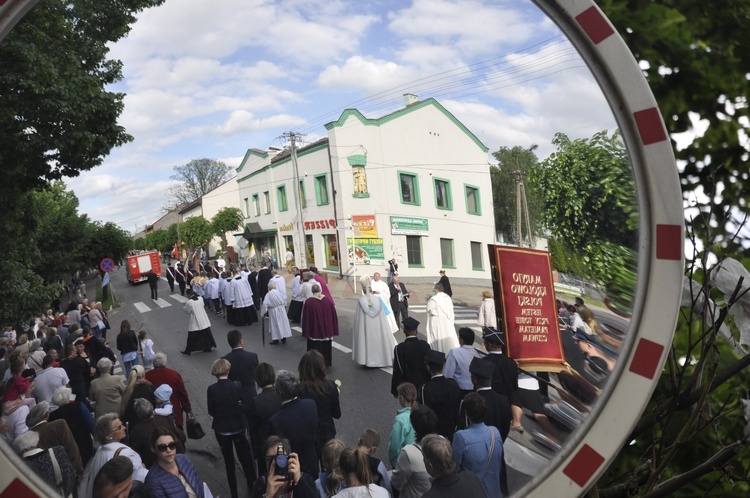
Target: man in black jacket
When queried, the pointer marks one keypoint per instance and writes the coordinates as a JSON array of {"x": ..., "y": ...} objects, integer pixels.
[
  {"x": 408, "y": 358},
  {"x": 243, "y": 364},
  {"x": 505, "y": 375},
  {"x": 152, "y": 280},
  {"x": 441, "y": 394},
  {"x": 399, "y": 299}
]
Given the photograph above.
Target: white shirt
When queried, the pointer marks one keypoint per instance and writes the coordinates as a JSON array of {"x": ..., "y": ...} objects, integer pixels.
[{"x": 47, "y": 381}]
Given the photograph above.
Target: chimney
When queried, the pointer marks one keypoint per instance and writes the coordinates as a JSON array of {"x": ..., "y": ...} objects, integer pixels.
[{"x": 410, "y": 99}]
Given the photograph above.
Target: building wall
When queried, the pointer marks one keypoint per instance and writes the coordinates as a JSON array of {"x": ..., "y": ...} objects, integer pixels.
[{"x": 423, "y": 140}]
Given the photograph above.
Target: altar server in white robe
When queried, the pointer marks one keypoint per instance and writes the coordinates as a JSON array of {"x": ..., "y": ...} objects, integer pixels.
[
  {"x": 243, "y": 306},
  {"x": 279, "y": 282},
  {"x": 275, "y": 305}
]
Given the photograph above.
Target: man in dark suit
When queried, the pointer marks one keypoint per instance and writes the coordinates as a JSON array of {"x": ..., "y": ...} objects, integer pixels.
[
  {"x": 170, "y": 277},
  {"x": 243, "y": 364},
  {"x": 179, "y": 272},
  {"x": 505, "y": 375},
  {"x": 408, "y": 358},
  {"x": 498, "y": 406},
  {"x": 252, "y": 277},
  {"x": 264, "y": 276},
  {"x": 297, "y": 421},
  {"x": 441, "y": 394},
  {"x": 153, "y": 280},
  {"x": 399, "y": 299}
]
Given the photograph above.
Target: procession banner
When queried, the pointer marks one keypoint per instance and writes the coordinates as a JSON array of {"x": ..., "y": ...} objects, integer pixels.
[{"x": 529, "y": 311}]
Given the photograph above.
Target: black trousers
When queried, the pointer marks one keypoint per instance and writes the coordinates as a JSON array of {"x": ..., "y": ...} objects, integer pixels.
[
  {"x": 244, "y": 455},
  {"x": 154, "y": 294},
  {"x": 170, "y": 281},
  {"x": 401, "y": 312},
  {"x": 182, "y": 287}
]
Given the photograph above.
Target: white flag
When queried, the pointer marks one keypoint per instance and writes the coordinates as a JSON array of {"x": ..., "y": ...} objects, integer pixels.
[{"x": 105, "y": 280}]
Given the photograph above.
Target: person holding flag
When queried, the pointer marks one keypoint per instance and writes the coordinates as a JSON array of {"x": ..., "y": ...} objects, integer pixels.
[
  {"x": 180, "y": 277},
  {"x": 170, "y": 277}
]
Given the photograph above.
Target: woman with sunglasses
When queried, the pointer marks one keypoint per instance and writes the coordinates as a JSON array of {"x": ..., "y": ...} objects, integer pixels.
[
  {"x": 108, "y": 432},
  {"x": 173, "y": 475}
]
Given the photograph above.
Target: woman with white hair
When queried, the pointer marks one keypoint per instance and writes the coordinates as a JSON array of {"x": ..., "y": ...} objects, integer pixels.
[
  {"x": 79, "y": 420},
  {"x": 41, "y": 461},
  {"x": 107, "y": 390},
  {"x": 373, "y": 341},
  {"x": 108, "y": 432}
]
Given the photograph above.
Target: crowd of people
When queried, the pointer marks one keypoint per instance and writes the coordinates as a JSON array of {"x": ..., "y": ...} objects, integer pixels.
[{"x": 90, "y": 432}]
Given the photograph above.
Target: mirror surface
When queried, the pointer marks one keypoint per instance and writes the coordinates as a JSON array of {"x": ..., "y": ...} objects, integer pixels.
[{"x": 214, "y": 80}]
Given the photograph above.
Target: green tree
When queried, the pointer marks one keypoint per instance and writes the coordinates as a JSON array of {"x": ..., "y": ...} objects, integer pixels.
[
  {"x": 57, "y": 117},
  {"x": 589, "y": 201},
  {"x": 107, "y": 241},
  {"x": 194, "y": 233},
  {"x": 226, "y": 220},
  {"x": 503, "y": 177},
  {"x": 59, "y": 233},
  {"x": 197, "y": 178},
  {"x": 696, "y": 60}
]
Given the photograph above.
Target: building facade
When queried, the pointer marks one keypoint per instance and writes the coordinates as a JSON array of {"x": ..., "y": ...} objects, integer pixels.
[{"x": 413, "y": 186}]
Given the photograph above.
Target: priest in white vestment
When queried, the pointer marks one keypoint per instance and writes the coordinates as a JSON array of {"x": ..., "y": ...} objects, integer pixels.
[
  {"x": 279, "y": 282},
  {"x": 275, "y": 305},
  {"x": 380, "y": 289},
  {"x": 373, "y": 341},
  {"x": 441, "y": 331}
]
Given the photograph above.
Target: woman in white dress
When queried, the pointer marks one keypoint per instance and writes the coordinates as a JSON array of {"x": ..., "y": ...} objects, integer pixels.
[{"x": 373, "y": 341}]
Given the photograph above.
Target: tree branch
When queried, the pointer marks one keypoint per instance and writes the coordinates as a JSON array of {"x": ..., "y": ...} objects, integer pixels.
[{"x": 718, "y": 460}]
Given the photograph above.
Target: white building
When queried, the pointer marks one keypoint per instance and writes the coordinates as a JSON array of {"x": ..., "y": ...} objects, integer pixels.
[{"x": 413, "y": 186}]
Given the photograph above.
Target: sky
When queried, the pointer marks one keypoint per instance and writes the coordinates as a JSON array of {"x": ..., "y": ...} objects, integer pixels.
[{"x": 213, "y": 79}]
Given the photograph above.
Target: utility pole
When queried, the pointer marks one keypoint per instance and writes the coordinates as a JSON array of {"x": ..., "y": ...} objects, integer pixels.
[
  {"x": 301, "y": 257},
  {"x": 522, "y": 206}
]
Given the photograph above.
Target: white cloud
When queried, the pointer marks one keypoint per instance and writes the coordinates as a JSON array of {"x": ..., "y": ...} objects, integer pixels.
[{"x": 368, "y": 73}]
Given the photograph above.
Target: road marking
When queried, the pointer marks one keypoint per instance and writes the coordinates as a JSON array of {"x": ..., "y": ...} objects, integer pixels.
[
  {"x": 141, "y": 307},
  {"x": 341, "y": 348},
  {"x": 179, "y": 298},
  {"x": 162, "y": 303}
]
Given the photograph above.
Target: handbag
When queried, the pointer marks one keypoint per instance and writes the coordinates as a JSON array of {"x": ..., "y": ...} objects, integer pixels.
[
  {"x": 194, "y": 429},
  {"x": 58, "y": 473}
]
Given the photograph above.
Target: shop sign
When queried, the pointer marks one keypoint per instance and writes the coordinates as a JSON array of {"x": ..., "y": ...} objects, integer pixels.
[
  {"x": 529, "y": 315},
  {"x": 366, "y": 251},
  {"x": 320, "y": 224},
  {"x": 288, "y": 227},
  {"x": 365, "y": 226},
  {"x": 401, "y": 225}
]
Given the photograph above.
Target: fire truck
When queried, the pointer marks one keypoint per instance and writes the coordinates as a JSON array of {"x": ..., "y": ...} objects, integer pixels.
[{"x": 139, "y": 264}]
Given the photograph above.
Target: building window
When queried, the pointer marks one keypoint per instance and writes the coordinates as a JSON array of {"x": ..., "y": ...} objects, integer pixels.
[
  {"x": 321, "y": 189},
  {"x": 446, "y": 253},
  {"x": 443, "y": 194},
  {"x": 408, "y": 185},
  {"x": 256, "y": 205},
  {"x": 472, "y": 200},
  {"x": 414, "y": 250},
  {"x": 476, "y": 256},
  {"x": 310, "y": 250},
  {"x": 332, "y": 251},
  {"x": 247, "y": 207},
  {"x": 267, "y": 201},
  {"x": 302, "y": 194},
  {"x": 281, "y": 197}
]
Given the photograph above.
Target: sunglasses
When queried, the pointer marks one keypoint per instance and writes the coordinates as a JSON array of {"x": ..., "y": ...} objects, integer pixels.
[{"x": 164, "y": 447}]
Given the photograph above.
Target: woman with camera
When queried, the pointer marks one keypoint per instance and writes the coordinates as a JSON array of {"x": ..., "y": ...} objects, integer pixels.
[{"x": 284, "y": 476}]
